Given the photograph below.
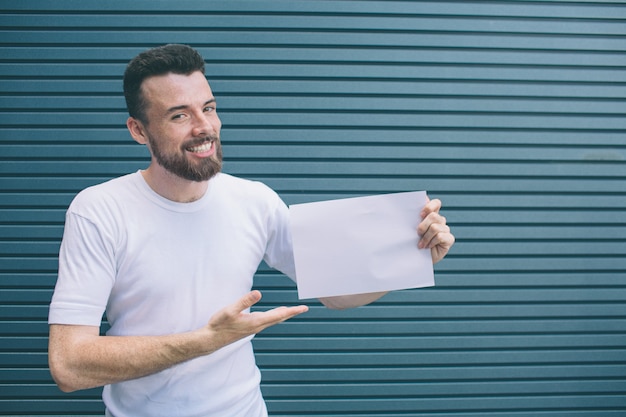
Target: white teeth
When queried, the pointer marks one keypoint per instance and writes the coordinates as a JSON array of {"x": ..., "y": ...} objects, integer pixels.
[{"x": 202, "y": 148}]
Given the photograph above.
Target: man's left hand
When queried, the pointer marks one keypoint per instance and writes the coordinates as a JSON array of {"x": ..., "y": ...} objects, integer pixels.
[{"x": 434, "y": 232}]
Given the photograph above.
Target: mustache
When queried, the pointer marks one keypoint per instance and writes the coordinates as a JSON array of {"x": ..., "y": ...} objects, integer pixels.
[{"x": 200, "y": 141}]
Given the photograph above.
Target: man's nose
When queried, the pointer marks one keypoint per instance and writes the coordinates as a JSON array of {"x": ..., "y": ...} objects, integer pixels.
[{"x": 205, "y": 125}]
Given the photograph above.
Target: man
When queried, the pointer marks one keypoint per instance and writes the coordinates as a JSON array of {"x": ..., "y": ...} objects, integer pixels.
[{"x": 170, "y": 252}]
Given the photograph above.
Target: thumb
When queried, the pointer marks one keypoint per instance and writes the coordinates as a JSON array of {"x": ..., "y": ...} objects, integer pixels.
[{"x": 247, "y": 301}]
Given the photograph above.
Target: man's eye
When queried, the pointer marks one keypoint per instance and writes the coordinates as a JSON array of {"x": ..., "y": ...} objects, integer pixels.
[
  {"x": 209, "y": 109},
  {"x": 177, "y": 116}
]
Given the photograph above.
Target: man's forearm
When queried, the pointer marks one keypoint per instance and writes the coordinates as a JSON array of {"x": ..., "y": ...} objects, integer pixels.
[
  {"x": 343, "y": 302},
  {"x": 100, "y": 360}
]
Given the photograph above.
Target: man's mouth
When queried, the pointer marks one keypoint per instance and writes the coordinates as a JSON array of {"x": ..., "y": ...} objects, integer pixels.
[{"x": 204, "y": 147}]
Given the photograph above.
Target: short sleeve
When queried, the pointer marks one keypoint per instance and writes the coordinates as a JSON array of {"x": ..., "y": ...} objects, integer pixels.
[
  {"x": 279, "y": 251},
  {"x": 86, "y": 273}
]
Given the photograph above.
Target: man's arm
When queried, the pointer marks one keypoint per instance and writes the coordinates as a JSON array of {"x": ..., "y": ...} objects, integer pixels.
[
  {"x": 434, "y": 234},
  {"x": 80, "y": 358},
  {"x": 342, "y": 302}
]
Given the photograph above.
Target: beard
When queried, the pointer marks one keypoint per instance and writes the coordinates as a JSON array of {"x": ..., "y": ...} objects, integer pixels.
[{"x": 179, "y": 165}]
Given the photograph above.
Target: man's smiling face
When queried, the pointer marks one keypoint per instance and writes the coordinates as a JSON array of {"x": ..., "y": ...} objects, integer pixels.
[{"x": 183, "y": 128}]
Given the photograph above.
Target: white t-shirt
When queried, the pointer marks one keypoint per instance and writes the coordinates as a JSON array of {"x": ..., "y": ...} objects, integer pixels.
[{"x": 160, "y": 267}]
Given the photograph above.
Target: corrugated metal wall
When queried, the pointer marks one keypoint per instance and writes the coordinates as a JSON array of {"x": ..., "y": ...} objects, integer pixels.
[{"x": 512, "y": 112}]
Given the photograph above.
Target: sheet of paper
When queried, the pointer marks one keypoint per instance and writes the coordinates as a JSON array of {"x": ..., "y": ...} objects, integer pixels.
[{"x": 359, "y": 245}]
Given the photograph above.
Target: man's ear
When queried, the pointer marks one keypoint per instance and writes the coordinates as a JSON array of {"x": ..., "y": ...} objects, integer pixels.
[{"x": 137, "y": 130}]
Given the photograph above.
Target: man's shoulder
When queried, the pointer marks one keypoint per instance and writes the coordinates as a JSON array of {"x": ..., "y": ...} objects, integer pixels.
[
  {"x": 256, "y": 194},
  {"x": 239, "y": 185},
  {"x": 105, "y": 192}
]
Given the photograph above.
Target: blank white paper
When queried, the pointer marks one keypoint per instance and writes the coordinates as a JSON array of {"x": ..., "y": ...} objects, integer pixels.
[{"x": 360, "y": 245}]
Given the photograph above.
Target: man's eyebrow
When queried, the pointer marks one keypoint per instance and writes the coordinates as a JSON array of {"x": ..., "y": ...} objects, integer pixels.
[
  {"x": 175, "y": 109},
  {"x": 184, "y": 106}
]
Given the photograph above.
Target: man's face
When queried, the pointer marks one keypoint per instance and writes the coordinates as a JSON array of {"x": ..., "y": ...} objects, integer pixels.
[{"x": 182, "y": 126}]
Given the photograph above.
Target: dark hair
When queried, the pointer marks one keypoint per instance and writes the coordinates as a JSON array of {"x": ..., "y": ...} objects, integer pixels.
[{"x": 172, "y": 58}]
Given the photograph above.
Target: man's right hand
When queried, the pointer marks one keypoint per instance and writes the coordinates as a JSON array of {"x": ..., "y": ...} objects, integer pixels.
[{"x": 234, "y": 322}]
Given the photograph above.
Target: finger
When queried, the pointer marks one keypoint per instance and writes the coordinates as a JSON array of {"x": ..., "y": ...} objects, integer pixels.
[
  {"x": 432, "y": 206},
  {"x": 281, "y": 314},
  {"x": 436, "y": 235},
  {"x": 438, "y": 252},
  {"x": 246, "y": 302},
  {"x": 429, "y": 227},
  {"x": 265, "y": 319},
  {"x": 428, "y": 221}
]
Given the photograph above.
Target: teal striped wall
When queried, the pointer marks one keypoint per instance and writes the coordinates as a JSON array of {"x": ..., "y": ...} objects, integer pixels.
[{"x": 512, "y": 112}]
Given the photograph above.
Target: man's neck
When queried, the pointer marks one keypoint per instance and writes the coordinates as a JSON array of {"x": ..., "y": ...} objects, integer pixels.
[{"x": 173, "y": 187}]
